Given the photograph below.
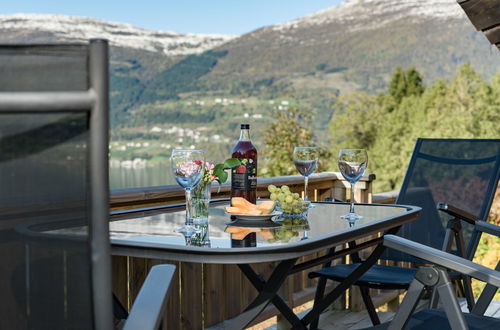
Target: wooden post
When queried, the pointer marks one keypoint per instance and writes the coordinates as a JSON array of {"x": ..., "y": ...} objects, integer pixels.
[
  {"x": 119, "y": 269},
  {"x": 286, "y": 293},
  {"x": 233, "y": 280},
  {"x": 214, "y": 290},
  {"x": 138, "y": 270},
  {"x": 191, "y": 297}
]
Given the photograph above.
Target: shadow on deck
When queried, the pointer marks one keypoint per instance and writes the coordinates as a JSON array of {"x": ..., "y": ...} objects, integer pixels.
[{"x": 347, "y": 320}]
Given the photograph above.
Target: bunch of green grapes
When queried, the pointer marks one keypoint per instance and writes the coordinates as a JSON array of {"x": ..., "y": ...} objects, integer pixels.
[
  {"x": 294, "y": 222},
  {"x": 283, "y": 236},
  {"x": 289, "y": 202}
]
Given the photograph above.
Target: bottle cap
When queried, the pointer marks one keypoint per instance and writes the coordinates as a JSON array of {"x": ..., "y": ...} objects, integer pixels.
[{"x": 245, "y": 126}]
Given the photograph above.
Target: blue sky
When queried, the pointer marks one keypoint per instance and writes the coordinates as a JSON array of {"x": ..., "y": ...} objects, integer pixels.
[{"x": 195, "y": 16}]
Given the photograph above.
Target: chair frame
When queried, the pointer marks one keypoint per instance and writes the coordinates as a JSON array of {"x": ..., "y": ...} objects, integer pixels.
[
  {"x": 452, "y": 233},
  {"x": 436, "y": 277},
  {"x": 147, "y": 310},
  {"x": 452, "y": 210},
  {"x": 95, "y": 103}
]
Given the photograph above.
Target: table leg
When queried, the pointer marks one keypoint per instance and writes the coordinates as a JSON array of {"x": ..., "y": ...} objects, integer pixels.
[
  {"x": 267, "y": 293},
  {"x": 277, "y": 301},
  {"x": 119, "y": 311},
  {"x": 344, "y": 285}
]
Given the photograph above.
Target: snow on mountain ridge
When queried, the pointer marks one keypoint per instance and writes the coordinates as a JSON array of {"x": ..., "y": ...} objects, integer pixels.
[
  {"x": 369, "y": 14},
  {"x": 119, "y": 34}
]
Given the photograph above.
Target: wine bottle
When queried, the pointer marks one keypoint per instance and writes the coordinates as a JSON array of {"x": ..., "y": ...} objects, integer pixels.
[{"x": 244, "y": 176}]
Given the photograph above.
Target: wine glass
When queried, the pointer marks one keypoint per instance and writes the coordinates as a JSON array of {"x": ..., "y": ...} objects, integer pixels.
[
  {"x": 187, "y": 167},
  {"x": 352, "y": 165},
  {"x": 306, "y": 162}
]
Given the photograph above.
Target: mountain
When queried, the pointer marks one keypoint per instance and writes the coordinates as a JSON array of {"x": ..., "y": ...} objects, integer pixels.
[
  {"x": 137, "y": 55},
  {"x": 371, "y": 14},
  {"x": 43, "y": 28},
  {"x": 358, "y": 44},
  {"x": 355, "y": 45}
]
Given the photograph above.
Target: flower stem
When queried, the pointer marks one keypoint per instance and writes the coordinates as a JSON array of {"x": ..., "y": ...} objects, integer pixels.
[
  {"x": 188, "y": 206},
  {"x": 306, "y": 181},
  {"x": 351, "y": 210}
]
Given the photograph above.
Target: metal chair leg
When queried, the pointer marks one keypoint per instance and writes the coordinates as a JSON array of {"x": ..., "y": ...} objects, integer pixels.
[
  {"x": 450, "y": 303},
  {"x": 426, "y": 276},
  {"x": 434, "y": 301},
  {"x": 370, "y": 307},
  {"x": 485, "y": 298},
  {"x": 320, "y": 290},
  {"x": 469, "y": 295}
]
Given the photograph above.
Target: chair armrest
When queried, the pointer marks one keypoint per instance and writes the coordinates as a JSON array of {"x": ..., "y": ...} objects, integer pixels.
[
  {"x": 148, "y": 308},
  {"x": 457, "y": 213},
  {"x": 488, "y": 228},
  {"x": 443, "y": 259}
]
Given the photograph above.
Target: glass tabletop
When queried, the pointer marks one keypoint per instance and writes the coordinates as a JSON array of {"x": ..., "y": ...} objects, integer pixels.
[{"x": 224, "y": 231}]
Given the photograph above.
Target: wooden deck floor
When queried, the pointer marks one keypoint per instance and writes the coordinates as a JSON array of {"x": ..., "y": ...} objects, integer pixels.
[{"x": 347, "y": 320}]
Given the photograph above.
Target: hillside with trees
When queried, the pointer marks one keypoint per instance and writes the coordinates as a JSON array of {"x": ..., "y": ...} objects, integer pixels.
[{"x": 387, "y": 124}]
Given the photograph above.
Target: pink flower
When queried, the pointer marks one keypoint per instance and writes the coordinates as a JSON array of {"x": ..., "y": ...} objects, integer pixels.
[
  {"x": 209, "y": 175},
  {"x": 209, "y": 166},
  {"x": 187, "y": 169}
]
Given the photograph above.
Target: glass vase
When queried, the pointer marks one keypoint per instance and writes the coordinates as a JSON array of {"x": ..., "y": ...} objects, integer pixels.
[
  {"x": 202, "y": 238},
  {"x": 200, "y": 200}
]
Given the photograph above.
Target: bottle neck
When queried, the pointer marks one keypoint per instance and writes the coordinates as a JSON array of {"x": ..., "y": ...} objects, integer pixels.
[{"x": 245, "y": 135}]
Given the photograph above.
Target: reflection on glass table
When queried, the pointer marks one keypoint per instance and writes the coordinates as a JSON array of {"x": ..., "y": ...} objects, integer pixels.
[{"x": 325, "y": 218}]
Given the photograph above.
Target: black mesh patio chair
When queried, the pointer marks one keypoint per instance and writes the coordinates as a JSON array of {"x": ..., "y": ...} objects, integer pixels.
[
  {"x": 436, "y": 278},
  {"x": 53, "y": 177},
  {"x": 454, "y": 182}
]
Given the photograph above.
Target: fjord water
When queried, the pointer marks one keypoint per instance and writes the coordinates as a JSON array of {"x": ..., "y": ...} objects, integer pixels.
[{"x": 122, "y": 178}]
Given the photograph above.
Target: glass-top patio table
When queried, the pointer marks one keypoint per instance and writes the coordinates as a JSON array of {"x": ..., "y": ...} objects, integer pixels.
[{"x": 150, "y": 234}]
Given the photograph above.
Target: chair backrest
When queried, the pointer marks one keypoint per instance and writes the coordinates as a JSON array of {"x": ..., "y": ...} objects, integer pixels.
[
  {"x": 460, "y": 172},
  {"x": 54, "y": 170}
]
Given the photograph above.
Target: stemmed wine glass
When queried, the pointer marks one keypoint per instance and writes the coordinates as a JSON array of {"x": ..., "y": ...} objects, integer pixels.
[
  {"x": 306, "y": 162},
  {"x": 352, "y": 165},
  {"x": 187, "y": 167}
]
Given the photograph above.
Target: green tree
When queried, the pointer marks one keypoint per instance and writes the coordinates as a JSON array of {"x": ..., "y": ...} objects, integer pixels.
[
  {"x": 355, "y": 122},
  {"x": 388, "y": 124},
  {"x": 405, "y": 83},
  {"x": 289, "y": 129},
  {"x": 490, "y": 126},
  {"x": 414, "y": 82}
]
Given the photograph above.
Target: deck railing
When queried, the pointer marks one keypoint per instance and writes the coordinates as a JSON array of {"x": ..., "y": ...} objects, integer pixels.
[
  {"x": 205, "y": 295},
  {"x": 321, "y": 186}
]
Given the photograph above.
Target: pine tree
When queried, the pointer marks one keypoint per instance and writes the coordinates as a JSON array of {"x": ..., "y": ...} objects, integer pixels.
[
  {"x": 405, "y": 83},
  {"x": 397, "y": 86},
  {"x": 414, "y": 82}
]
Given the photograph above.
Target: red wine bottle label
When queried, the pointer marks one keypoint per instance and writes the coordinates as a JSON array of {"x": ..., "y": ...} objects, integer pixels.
[{"x": 244, "y": 176}]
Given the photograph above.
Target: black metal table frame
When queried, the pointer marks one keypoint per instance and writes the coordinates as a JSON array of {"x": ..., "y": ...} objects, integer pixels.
[{"x": 268, "y": 289}]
